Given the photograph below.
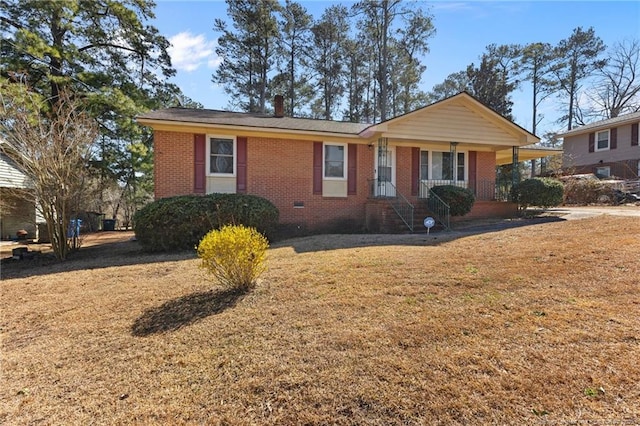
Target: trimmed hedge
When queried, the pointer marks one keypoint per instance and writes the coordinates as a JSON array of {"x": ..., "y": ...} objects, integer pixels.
[
  {"x": 179, "y": 223},
  {"x": 460, "y": 200},
  {"x": 540, "y": 192}
]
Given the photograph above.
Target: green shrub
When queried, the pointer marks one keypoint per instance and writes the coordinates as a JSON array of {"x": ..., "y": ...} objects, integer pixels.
[
  {"x": 460, "y": 200},
  {"x": 235, "y": 255},
  {"x": 541, "y": 192},
  {"x": 179, "y": 223}
]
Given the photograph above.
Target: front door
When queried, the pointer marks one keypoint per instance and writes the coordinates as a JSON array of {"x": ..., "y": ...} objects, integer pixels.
[{"x": 385, "y": 170}]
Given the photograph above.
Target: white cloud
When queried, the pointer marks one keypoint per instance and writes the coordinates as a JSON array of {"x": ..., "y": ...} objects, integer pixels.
[
  {"x": 214, "y": 61},
  {"x": 188, "y": 51}
]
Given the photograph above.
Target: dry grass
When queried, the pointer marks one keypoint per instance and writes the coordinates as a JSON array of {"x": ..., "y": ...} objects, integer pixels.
[{"x": 522, "y": 326}]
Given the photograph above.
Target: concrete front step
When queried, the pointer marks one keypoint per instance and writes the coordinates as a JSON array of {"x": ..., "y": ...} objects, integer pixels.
[{"x": 391, "y": 223}]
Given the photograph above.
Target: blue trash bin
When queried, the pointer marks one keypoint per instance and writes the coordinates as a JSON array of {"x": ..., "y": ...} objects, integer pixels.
[{"x": 73, "y": 231}]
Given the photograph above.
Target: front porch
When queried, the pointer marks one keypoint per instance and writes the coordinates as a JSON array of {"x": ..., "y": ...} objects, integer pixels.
[
  {"x": 389, "y": 211},
  {"x": 456, "y": 142}
]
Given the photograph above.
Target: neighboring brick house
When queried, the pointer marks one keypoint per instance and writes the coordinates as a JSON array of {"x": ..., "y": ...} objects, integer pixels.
[
  {"x": 605, "y": 148},
  {"x": 328, "y": 175}
]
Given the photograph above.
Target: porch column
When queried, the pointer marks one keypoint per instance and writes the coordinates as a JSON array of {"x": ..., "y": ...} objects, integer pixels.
[
  {"x": 382, "y": 167},
  {"x": 452, "y": 150},
  {"x": 515, "y": 170}
]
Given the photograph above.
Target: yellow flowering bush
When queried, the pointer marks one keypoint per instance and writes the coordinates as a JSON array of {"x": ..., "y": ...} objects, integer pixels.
[{"x": 235, "y": 255}]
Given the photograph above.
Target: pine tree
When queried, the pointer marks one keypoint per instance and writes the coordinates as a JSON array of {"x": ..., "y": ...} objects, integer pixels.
[
  {"x": 326, "y": 59},
  {"x": 248, "y": 52},
  {"x": 295, "y": 39},
  {"x": 535, "y": 66},
  {"x": 489, "y": 84},
  {"x": 102, "y": 52},
  {"x": 397, "y": 34},
  {"x": 577, "y": 58}
]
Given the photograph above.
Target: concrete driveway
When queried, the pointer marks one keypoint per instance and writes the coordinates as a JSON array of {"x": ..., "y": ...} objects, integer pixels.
[{"x": 584, "y": 212}]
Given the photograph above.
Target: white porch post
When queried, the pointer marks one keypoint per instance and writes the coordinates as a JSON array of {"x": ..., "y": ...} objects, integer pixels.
[{"x": 452, "y": 150}]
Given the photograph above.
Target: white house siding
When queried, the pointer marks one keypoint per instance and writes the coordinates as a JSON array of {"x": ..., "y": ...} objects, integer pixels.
[
  {"x": 17, "y": 211},
  {"x": 10, "y": 176}
]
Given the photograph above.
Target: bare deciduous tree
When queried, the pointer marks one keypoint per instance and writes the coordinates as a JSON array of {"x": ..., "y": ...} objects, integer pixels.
[
  {"x": 617, "y": 90},
  {"x": 50, "y": 142}
]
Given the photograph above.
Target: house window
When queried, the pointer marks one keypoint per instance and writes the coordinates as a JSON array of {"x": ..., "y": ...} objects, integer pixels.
[
  {"x": 424, "y": 165},
  {"x": 460, "y": 166},
  {"x": 222, "y": 152},
  {"x": 603, "y": 171},
  {"x": 441, "y": 167},
  {"x": 335, "y": 158},
  {"x": 602, "y": 140}
]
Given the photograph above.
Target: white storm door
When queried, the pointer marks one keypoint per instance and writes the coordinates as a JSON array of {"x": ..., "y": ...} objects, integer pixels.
[{"x": 385, "y": 171}]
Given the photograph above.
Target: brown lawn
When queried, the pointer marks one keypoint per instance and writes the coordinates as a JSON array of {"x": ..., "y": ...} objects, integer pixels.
[{"x": 522, "y": 326}]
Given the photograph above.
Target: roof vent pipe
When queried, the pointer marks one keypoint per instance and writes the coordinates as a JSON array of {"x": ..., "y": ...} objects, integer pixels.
[{"x": 279, "y": 106}]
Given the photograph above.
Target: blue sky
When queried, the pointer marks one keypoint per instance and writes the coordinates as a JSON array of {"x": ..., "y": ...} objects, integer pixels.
[{"x": 464, "y": 29}]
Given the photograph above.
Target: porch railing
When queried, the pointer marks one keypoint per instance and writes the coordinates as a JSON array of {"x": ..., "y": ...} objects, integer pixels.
[
  {"x": 483, "y": 189},
  {"x": 400, "y": 204},
  {"x": 439, "y": 209},
  {"x": 632, "y": 186},
  {"x": 426, "y": 185}
]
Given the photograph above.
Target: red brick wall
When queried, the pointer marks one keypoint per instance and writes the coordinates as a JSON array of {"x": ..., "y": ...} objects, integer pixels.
[
  {"x": 403, "y": 170},
  {"x": 281, "y": 170},
  {"x": 488, "y": 209},
  {"x": 173, "y": 163},
  {"x": 486, "y": 166}
]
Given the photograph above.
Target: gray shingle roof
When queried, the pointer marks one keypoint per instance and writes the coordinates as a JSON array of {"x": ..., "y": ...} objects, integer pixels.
[
  {"x": 603, "y": 124},
  {"x": 216, "y": 117}
]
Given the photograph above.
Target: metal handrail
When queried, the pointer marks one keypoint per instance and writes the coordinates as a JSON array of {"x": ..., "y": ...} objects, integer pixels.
[
  {"x": 439, "y": 208},
  {"x": 398, "y": 202},
  {"x": 402, "y": 207}
]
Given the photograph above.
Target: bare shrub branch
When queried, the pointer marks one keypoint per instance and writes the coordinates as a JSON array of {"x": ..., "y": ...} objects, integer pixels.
[{"x": 50, "y": 142}]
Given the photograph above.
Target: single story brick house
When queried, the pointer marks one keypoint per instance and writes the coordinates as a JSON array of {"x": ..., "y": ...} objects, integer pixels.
[
  {"x": 327, "y": 175},
  {"x": 605, "y": 148}
]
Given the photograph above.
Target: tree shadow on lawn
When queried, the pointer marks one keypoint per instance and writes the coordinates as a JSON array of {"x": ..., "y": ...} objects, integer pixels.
[
  {"x": 105, "y": 255},
  {"x": 459, "y": 230},
  {"x": 130, "y": 253},
  {"x": 186, "y": 310}
]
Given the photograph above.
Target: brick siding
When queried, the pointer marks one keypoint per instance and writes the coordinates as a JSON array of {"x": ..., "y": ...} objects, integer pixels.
[
  {"x": 403, "y": 170},
  {"x": 486, "y": 166},
  {"x": 173, "y": 164},
  {"x": 281, "y": 170}
]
